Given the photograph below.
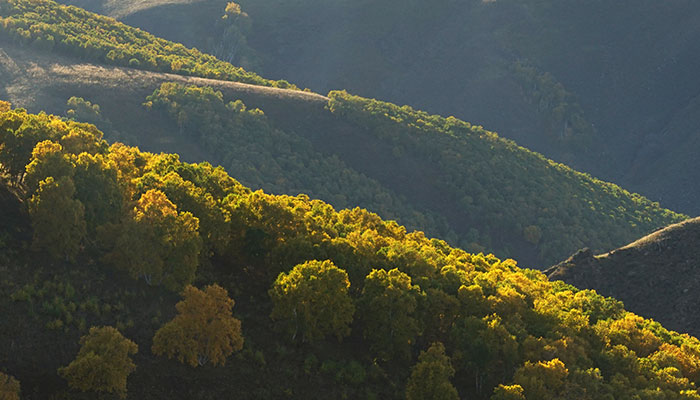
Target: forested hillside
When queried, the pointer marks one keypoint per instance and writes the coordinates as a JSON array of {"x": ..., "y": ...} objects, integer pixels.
[
  {"x": 609, "y": 88},
  {"x": 505, "y": 198},
  {"x": 470, "y": 186},
  {"x": 277, "y": 296},
  {"x": 49, "y": 26}
]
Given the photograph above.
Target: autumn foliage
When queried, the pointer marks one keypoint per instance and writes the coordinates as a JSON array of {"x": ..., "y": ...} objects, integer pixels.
[
  {"x": 204, "y": 329},
  {"x": 103, "y": 362},
  {"x": 509, "y": 333},
  {"x": 157, "y": 243},
  {"x": 9, "y": 387}
]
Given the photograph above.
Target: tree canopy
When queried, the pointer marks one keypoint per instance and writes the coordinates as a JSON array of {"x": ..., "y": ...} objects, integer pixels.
[
  {"x": 313, "y": 300},
  {"x": 103, "y": 363},
  {"x": 388, "y": 308},
  {"x": 204, "y": 329},
  {"x": 48, "y": 25},
  {"x": 430, "y": 377}
]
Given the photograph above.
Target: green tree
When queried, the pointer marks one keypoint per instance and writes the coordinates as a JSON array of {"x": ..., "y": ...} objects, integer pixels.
[
  {"x": 542, "y": 380},
  {"x": 57, "y": 218},
  {"x": 9, "y": 386},
  {"x": 508, "y": 392},
  {"x": 213, "y": 221},
  {"x": 430, "y": 377},
  {"x": 313, "y": 300},
  {"x": 97, "y": 188},
  {"x": 158, "y": 243},
  {"x": 204, "y": 329},
  {"x": 19, "y": 133},
  {"x": 484, "y": 348},
  {"x": 103, "y": 362},
  {"x": 47, "y": 160},
  {"x": 388, "y": 304}
]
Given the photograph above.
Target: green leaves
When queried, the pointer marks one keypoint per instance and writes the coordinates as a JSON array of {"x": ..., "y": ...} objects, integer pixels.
[
  {"x": 388, "y": 308},
  {"x": 158, "y": 243},
  {"x": 516, "y": 197},
  {"x": 49, "y": 25},
  {"x": 430, "y": 377},
  {"x": 103, "y": 362},
  {"x": 57, "y": 218},
  {"x": 312, "y": 301}
]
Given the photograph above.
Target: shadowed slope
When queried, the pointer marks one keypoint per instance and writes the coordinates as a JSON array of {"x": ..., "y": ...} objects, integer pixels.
[
  {"x": 656, "y": 276},
  {"x": 441, "y": 175}
]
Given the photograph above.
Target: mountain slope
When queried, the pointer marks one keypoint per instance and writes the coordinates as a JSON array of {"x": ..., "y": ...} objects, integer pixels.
[
  {"x": 426, "y": 185},
  {"x": 593, "y": 98},
  {"x": 117, "y": 233},
  {"x": 50, "y": 26},
  {"x": 655, "y": 276}
]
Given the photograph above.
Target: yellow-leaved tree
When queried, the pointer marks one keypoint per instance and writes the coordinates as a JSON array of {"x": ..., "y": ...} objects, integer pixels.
[
  {"x": 508, "y": 392},
  {"x": 103, "y": 362},
  {"x": 48, "y": 159},
  {"x": 543, "y": 379},
  {"x": 204, "y": 329}
]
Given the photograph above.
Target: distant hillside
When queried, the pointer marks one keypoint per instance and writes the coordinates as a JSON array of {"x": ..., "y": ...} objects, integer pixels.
[
  {"x": 49, "y": 26},
  {"x": 589, "y": 94},
  {"x": 121, "y": 8},
  {"x": 504, "y": 198},
  {"x": 655, "y": 276},
  {"x": 134, "y": 275}
]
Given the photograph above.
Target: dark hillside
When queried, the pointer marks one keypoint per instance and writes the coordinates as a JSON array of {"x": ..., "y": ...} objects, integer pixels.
[
  {"x": 445, "y": 176},
  {"x": 610, "y": 87},
  {"x": 656, "y": 276},
  {"x": 40, "y": 81}
]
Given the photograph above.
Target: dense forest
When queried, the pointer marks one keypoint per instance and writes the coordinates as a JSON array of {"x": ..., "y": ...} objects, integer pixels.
[
  {"x": 590, "y": 96},
  {"x": 48, "y": 25},
  {"x": 476, "y": 191},
  {"x": 260, "y": 155},
  {"x": 226, "y": 290},
  {"x": 308, "y": 265}
]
